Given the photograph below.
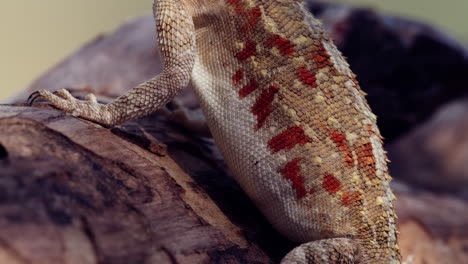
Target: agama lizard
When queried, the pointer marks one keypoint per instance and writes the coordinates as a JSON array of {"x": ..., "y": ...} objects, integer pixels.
[{"x": 287, "y": 114}]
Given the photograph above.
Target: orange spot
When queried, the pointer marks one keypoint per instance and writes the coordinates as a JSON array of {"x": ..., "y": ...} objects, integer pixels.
[
  {"x": 366, "y": 161},
  {"x": 350, "y": 199},
  {"x": 321, "y": 57},
  {"x": 246, "y": 90},
  {"x": 292, "y": 172},
  {"x": 330, "y": 94},
  {"x": 349, "y": 159},
  {"x": 307, "y": 77},
  {"x": 262, "y": 107},
  {"x": 288, "y": 139},
  {"x": 342, "y": 144},
  {"x": 331, "y": 184},
  {"x": 285, "y": 46}
]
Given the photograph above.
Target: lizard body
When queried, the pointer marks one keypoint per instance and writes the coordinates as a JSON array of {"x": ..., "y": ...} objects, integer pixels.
[{"x": 287, "y": 114}]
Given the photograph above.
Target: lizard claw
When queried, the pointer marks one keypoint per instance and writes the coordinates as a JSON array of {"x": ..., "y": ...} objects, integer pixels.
[
  {"x": 63, "y": 100},
  {"x": 60, "y": 99},
  {"x": 33, "y": 97},
  {"x": 43, "y": 95}
]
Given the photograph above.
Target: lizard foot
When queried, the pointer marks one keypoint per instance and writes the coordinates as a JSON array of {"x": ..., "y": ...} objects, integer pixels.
[
  {"x": 326, "y": 251},
  {"x": 88, "y": 109},
  {"x": 54, "y": 97},
  {"x": 336, "y": 251}
]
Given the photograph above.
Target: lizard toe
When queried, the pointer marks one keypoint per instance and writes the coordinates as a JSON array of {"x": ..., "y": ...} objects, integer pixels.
[
  {"x": 91, "y": 98},
  {"x": 64, "y": 94}
]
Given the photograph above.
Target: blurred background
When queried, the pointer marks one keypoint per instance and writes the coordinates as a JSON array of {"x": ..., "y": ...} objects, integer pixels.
[{"x": 35, "y": 35}]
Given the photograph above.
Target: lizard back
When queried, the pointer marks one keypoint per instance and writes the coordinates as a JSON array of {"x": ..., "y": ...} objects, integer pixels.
[{"x": 292, "y": 123}]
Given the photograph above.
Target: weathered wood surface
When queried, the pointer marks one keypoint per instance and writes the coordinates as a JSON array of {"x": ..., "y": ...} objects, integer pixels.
[
  {"x": 74, "y": 192},
  {"x": 151, "y": 191}
]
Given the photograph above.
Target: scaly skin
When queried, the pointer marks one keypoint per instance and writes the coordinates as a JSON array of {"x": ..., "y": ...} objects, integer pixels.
[{"x": 287, "y": 114}]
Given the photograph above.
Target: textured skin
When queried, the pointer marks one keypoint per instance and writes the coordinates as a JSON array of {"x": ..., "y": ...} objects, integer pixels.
[{"x": 287, "y": 114}]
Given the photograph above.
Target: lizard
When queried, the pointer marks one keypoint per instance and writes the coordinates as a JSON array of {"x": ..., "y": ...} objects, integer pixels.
[{"x": 287, "y": 114}]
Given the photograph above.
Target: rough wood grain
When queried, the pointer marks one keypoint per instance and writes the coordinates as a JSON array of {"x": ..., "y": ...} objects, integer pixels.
[{"x": 74, "y": 192}]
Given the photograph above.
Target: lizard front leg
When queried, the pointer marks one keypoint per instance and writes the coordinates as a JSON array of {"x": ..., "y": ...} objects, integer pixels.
[{"x": 176, "y": 35}]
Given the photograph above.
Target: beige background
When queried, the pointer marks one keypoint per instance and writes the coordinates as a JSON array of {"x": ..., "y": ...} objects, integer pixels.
[{"x": 35, "y": 35}]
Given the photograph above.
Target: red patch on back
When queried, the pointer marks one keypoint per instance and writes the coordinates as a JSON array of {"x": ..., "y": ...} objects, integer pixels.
[
  {"x": 331, "y": 184},
  {"x": 285, "y": 46},
  {"x": 253, "y": 16},
  {"x": 366, "y": 161},
  {"x": 237, "y": 77},
  {"x": 237, "y": 4},
  {"x": 246, "y": 90},
  {"x": 262, "y": 107},
  {"x": 351, "y": 199},
  {"x": 292, "y": 172},
  {"x": 320, "y": 57},
  {"x": 288, "y": 139},
  {"x": 307, "y": 77},
  {"x": 341, "y": 142},
  {"x": 250, "y": 49}
]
